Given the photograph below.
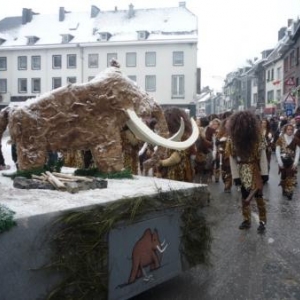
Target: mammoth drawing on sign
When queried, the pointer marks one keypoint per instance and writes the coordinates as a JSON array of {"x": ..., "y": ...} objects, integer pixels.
[
  {"x": 88, "y": 116},
  {"x": 145, "y": 254}
]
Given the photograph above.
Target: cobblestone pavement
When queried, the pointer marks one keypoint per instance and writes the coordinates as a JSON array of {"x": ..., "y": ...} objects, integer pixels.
[{"x": 245, "y": 265}]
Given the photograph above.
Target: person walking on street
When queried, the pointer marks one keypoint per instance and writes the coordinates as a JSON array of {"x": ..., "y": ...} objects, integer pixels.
[
  {"x": 248, "y": 162},
  {"x": 287, "y": 154}
]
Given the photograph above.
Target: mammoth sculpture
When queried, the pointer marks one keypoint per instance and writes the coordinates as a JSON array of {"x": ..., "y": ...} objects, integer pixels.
[{"x": 88, "y": 116}]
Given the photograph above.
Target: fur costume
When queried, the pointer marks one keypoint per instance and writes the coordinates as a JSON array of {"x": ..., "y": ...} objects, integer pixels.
[{"x": 248, "y": 162}]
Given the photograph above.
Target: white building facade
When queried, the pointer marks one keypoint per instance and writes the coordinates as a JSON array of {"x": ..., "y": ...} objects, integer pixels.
[{"x": 157, "y": 48}]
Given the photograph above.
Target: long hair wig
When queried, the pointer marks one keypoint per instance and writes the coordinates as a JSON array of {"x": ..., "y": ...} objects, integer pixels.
[
  {"x": 173, "y": 116},
  {"x": 244, "y": 130}
]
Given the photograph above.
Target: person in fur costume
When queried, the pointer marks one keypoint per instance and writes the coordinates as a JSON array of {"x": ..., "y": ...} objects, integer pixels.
[
  {"x": 287, "y": 154},
  {"x": 178, "y": 164},
  {"x": 222, "y": 157},
  {"x": 248, "y": 162},
  {"x": 204, "y": 161}
]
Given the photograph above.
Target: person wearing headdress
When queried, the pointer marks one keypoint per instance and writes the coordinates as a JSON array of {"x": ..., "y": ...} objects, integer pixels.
[
  {"x": 178, "y": 164},
  {"x": 287, "y": 154},
  {"x": 248, "y": 162}
]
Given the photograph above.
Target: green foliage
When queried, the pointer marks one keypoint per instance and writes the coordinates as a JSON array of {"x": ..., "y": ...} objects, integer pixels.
[
  {"x": 96, "y": 173},
  {"x": 80, "y": 239},
  {"x": 6, "y": 218},
  {"x": 52, "y": 167}
]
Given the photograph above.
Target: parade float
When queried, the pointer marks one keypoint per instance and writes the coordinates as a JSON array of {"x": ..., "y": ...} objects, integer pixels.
[{"x": 109, "y": 242}]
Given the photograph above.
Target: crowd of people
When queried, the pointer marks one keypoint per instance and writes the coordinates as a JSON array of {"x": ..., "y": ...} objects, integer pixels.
[
  {"x": 236, "y": 149},
  {"x": 232, "y": 148}
]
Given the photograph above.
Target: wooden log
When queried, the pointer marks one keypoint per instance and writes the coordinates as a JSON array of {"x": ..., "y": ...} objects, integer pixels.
[
  {"x": 68, "y": 179},
  {"x": 60, "y": 175},
  {"x": 54, "y": 180},
  {"x": 42, "y": 178}
]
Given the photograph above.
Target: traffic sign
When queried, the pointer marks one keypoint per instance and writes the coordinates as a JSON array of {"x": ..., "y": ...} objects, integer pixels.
[
  {"x": 289, "y": 99},
  {"x": 290, "y": 81}
]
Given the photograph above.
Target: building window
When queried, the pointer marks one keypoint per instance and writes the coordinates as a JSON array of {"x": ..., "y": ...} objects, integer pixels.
[
  {"x": 31, "y": 40},
  {"x": 36, "y": 85},
  {"x": 35, "y": 62},
  {"x": 278, "y": 95},
  {"x": 285, "y": 64},
  {"x": 131, "y": 59},
  {"x": 91, "y": 78},
  {"x": 178, "y": 58},
  {"x": 3, "y": 64},
  {"x": 56, "y": 82},
  {"x": 104, "y": 36},
  {"x": 66, "y": 38},
  {"x": 254, "y": 81},
  {"x": 270, "y": 96},
  {"x": 56, "y": 62},
  {"x": 93, "y": 60},
  {"x": 3, "y": 86},
  {"x": 143, "y": 35},
  {"x": 71, "y": 79},
  {"x": 71, "y": 61},
  {"x": 132, "y": 77},
  {"x": 292, "y": 59},
  {"x": 272, "y": 74},
  {"x": 111, "y": 56},
  {"x": 255, "y": 97},
  {"x": 268, "y": 77},
  {"x": 150, "y": 59},
  {"x": 177, "y": 86},
  {"x": 279, "y": 73},
  {"x": 150, "y": 83},
  {"x": 22, "y": 62},
  {"x": 22, "y": 85}
]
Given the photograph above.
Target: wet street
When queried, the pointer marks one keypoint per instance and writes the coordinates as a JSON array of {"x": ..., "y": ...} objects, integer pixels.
[{"x": 245, "y": 265}]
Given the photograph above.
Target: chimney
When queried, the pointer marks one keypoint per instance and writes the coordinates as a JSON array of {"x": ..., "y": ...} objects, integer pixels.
[
  {"x": 26, "y": 15},
  {"x": 182, "y": 4},
  {"x": 61, "y": 14},
  {"x": 130, "y": 11},
  {"x": 281, "y": 33},
  {"x": 94, "y": 11},
  {"x": 290, "y": 22},
  {"x": 116, "y": 8}
]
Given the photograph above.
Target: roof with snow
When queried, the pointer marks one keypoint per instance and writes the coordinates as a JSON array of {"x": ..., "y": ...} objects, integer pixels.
[{"x": 98, "y": 26}]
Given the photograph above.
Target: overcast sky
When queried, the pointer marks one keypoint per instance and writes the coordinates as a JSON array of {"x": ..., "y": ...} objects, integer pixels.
[{"x": 230, "y": 31}]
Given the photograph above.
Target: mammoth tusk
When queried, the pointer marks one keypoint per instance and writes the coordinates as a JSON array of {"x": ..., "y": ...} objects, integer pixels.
[
  {"x": 176, "y": 137},
  {"x": 144, "y": 148},
  {"x": 162, "y": 250},
  {"x": 135, "y": 124}
]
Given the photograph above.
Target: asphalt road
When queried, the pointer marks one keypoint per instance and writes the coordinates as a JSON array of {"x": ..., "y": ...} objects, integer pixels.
[{"x": 245, "y": 264}]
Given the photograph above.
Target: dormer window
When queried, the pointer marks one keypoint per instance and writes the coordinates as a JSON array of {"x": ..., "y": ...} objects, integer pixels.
[
  {"x": 143, "y": 35},
  {"x": 66, "y": 38},
  {"x": 104, "y": 36},
  {"x": 31, "y": 40},
  {"x": 2, "y": 41}
]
